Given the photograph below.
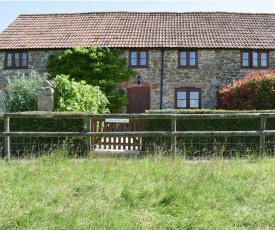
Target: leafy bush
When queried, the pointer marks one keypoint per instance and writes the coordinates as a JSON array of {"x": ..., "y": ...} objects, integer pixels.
[
  {"x": 97, "y": 66},
  {"x": 21, "y": 93},
  {"x": 254, "y": 91},
  {"x": 78, "y": 96}
]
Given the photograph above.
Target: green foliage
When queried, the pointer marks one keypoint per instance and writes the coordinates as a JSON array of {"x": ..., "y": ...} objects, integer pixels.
[
  {"x": 78, "y": 96},
  {"x": 223, "y": 146},
  {"x": 118, "y": 98},
  {"x": 22, "y": 92},
  {"x": 97, "y": 66},
  {"x": 254, "y": 91},
  {"x": 35, "y": 146}
]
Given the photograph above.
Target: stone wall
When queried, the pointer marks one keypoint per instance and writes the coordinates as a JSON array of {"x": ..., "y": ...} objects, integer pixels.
[
  {"x": 37, "y": 61},
  {"x": 215, "y": 67}
]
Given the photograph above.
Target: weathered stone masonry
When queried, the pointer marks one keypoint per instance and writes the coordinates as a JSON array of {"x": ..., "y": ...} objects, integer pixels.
[
  {"x": 37, "y": 60},
  {"x": 215, "y": 67}
]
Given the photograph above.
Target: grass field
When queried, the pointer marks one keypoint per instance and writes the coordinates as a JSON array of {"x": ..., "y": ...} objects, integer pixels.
[{"x": 155, "y": 192}]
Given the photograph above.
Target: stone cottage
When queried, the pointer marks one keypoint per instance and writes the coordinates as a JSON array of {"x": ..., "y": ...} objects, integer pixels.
[{"x": 181, "y": 58}]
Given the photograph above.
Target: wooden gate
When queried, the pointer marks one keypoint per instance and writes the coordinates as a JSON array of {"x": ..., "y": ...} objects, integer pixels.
[
  {"x": 116, "y": 144},
  {"x": 139, "y": 102}
]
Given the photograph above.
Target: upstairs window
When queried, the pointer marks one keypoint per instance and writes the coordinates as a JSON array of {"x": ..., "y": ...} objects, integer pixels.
[
  {"x": 187, "y": 98},
  {"x": 138, "y": 59},
  {"x": 188, "y": 59},
  {"x": 16, "y": 60},
  {"x": 255, "y": 59}
]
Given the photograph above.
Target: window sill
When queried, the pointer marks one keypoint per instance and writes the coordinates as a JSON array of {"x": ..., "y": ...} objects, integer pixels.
[
  {"x": 139, "y": 67},
  {"x": 254, "y": 68},
  {"x": 13, "y": 68},
  {"x": 195, "y": 67},
  {"x": 188, "y": 108}
]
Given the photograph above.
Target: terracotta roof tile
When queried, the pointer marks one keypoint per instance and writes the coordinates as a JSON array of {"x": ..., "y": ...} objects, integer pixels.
[{"x": 130, "y": 29}]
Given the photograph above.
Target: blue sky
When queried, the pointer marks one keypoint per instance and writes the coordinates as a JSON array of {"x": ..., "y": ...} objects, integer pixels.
[{"x": 9, "y": 10}]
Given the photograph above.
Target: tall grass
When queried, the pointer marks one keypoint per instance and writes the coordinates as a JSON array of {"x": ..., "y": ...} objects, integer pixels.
[{"x": 157, "y": 192}]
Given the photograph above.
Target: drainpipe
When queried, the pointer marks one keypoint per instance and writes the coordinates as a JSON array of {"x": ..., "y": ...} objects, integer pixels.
[{"x": 161, "y": 77}]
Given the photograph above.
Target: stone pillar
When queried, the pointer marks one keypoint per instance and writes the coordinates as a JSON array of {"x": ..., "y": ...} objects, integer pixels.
[{"x": 46, "y": 97}]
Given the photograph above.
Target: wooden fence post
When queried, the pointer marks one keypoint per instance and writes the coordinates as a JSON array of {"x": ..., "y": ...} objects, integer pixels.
[
  {"x": 89, "y": 139},
  {"x": 173, "y": 138},
  {"x": 7, "y": 138},
  {"x": 262, "y": 136}
]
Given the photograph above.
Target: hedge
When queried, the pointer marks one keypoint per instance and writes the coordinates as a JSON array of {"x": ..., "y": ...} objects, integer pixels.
[
  {"x": 219, "y": 145},
  {"x": 33, "y": 146}
]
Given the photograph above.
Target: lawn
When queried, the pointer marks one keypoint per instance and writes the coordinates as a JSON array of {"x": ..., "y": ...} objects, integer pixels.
[{"x": 155, "y": 192}]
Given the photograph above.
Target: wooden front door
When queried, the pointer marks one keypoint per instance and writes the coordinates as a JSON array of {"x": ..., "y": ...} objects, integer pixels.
[
  {"x": 139, "y": 99},
  {"x": 139, "y": 102}
]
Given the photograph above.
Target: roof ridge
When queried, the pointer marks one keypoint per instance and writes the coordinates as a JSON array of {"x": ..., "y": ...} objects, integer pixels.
[{"x": 156, "y": 12}]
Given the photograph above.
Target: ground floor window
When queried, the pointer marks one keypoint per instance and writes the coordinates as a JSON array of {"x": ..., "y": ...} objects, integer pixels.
[{"x": 187, "y": 98}]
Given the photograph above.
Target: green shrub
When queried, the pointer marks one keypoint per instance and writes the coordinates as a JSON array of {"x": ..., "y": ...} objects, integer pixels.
[
  {"x": 97, "y": 66},
  {"x": 78, "y": 96},
  {"x": 21, "y": 93},
  {"x": 254, "y": 91},
  {"x": 35, "y": 146}
]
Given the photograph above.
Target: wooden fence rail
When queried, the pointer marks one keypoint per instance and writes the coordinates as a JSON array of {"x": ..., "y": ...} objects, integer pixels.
[{"x": 262, "y": 133}]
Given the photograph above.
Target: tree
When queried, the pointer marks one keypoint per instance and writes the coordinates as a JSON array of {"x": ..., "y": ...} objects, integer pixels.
[{"x": 97, "y": 66}]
